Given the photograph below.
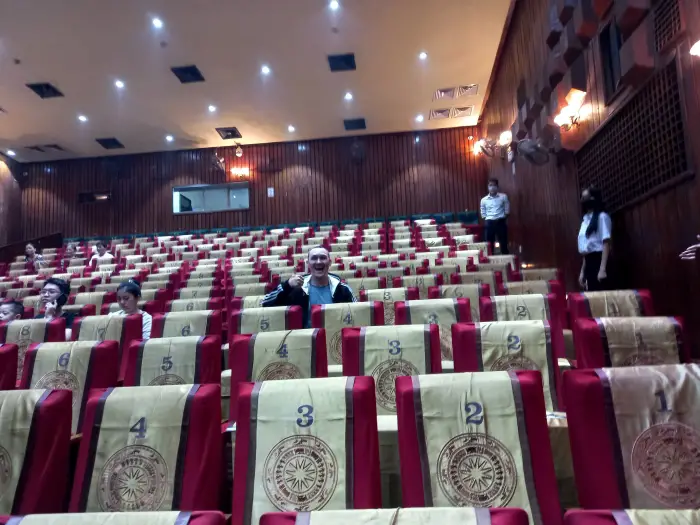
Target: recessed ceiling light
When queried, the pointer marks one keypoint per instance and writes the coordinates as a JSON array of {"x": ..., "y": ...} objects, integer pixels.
[
  {"x": 419, "y": 118},
  {"x": 119, "y": 84},
  {"x": 11, "y": 153},
  {"x": 417, "y": 140},
  {"x": 348, "y": 96},
  {"x": 265, "y": 70},
  {"x": 82, "y": 118},
  {"x": 212, "y": 109},
  {"x": 291, "y": 128},
  {"x": 157, "y": 23},
  {"x": 423, "y": 55},
  {"x": 169, "y": 138},
  {"x": 334, "y": 4}
]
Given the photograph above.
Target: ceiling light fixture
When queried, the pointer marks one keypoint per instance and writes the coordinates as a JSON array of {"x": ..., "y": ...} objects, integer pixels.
[
  {"x": 157, "y": 23},
  {"x": 419, "y": 118},
  {"x": 119, "y": 84},
  {"x": 301, "y": 147},
  {"x": 265, "y": 70},
  {"x": 82, "y": 118},
  {"x": 334, "y": 5},
  {"x": 212, "y": 108},
  {"x": 417, "y": 140},
  {"x": 169, "y": 138},
  {"x": 291, "y": 128},
  {"x": 239, "y": 150},
  {"x": 348, "y": 96},
  {"x": 423, "y": 55},
  {"x": 695, "y": 50},
  {"x": 11, "y": 153}
]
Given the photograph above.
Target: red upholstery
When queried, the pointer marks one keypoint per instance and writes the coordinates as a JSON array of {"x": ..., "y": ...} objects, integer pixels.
[
  {"x": 213, "y": 325},
  {"x": 535, "y": 426},
  {"x": 55, "y": 331},
  {"x": 411, "y": 294},
  {"x": 103, "y": 369},
  {"x": 131, "y": 330},
  {"x": 86, "y": 310},
  {"x": 214, "y": 291},
  {"x": 43, "y": 484},
  {"x": 366, "y": 489},
  {"x": 463, "y": 311},
  {"x": 377, "y": 314},
  {"x": 354, "y": 348},
  {"x": 207, "y": 361},
  {"x": 556, "y": 288},
  {"x": 488, "y": 313},
  {"x": 8, "y": 366},
  {"x": 434, "y": 292},
  {"x": 593, "y": 517},
  {"x": 498, "y": 277},
  {"x": 293, "y": 320},
  {"x": 199, "y": 459},
  {"x": 591, "y": 343},
  {"x": 108, "y": 297},
  {"x": 240, "y": 353},
  {"x": 578, "y": 305},
  {"x": 497, "y": 517}
]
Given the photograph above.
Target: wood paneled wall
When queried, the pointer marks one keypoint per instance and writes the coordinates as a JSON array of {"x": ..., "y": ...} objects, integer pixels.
[
  {"x": 10, "y": 205},
  {"x": 648, "y": 236},
  {"x": 329, "y": 179}
]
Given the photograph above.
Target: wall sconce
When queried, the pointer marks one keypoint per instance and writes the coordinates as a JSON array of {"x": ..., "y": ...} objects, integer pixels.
[
  {"x": 477, "y": 146},
  {"x": 695, "y": 50},
  {"x": 506, "y": 138},
  {"x": 240, "y": 172},
  {"x": 575, "y": 110}
]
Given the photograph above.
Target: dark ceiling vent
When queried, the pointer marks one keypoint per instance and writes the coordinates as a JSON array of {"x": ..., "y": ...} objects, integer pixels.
[
  {"x": 344, "y": 62},
  {"x": 354, "y": 124},
  {"x": 188, "y": 74},
  {"x": 110, "y": 143},
  {"x": 229, "y": 133},
  {"x": 36, "y": 148},
  {"x": 45, "y": 90},
  {"x": 54, "y": 147}
]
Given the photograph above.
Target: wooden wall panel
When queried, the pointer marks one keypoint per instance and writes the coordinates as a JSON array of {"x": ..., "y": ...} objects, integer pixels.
[
  {"x": 321, "y": 182},
  {"x": 647, "y": 236},
  {"x": 10, "y": 205}
]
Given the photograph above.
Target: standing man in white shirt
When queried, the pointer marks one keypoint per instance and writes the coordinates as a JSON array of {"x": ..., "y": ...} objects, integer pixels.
[{"x": 495, "y": 209}]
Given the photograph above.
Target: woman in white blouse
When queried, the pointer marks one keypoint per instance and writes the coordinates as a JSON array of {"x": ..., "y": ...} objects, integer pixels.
[
  {"x": 128, "y": 295},
  {"x": 594, "y": 239}
]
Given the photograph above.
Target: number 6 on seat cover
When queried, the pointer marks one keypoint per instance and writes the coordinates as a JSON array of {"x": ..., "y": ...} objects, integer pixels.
[
  {"x": 305, "y": 445},
  {"x": 476, "y": 439}
]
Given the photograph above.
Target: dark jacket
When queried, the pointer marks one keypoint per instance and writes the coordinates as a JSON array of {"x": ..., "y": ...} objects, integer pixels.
[{"x": 285, "y": 295}]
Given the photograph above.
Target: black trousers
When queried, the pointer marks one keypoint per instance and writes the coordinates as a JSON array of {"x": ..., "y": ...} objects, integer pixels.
[
  {"x": 590, "y": 272},
  {"x": 497, "y": 230}
]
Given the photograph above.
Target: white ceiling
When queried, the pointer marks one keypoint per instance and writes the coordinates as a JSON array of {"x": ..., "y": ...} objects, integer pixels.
[{"x": 83, "y": 46}]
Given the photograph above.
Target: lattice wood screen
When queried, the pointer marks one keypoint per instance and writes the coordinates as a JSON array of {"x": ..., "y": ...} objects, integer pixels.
[
  {"x": 667, "y": 22},
  {"x": 641, "y": 148}
]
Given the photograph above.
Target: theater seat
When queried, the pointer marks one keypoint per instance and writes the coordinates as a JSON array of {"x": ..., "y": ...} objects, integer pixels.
[
  {"x": 365, "y": 283},
  {"x": 26, "y": 332},
  {"x": 507, "y": 346},
  {"x": 106, "y": 518},
  {"x": 386, "y": 352},
  {"x": 265, "y": 356},
  {"x": 77, "y": 366},
  {"x": 174, "y": 361},
  {"x": 542, "y": 274},
  {"x": 631, "y": 517},
  {"x": 442, "y": 516},
  {"x": 81, "y": 310},
  {"x": 199, "y": 292},
  {"x": 250, "y": 301},
  {"x": 187, "y": 323},
  {"x": 8, "y": 366},
  {"x": 422, "y": 282},
  {"x": 616, "y": 303},
  {"x": 186, "y": 305},
  {"x": 476, "y": 439},
  {"x": 389, "y": 296},
  {"x": 335, "y": 317},
  {"x": 34, "y": 450},
  {"x": 268, "y": 319},
  {"x": 123, "y": 329},
  {"x": 442, "y": 312},
  {"x": 165, "y": 438},
  {"x": 493, "y": 279},
  {"x": 630, "y": 341},
  {"x": 635, "y": 435},
  {"x": 473, "y": 292},
  {"x": 96, "y": 298},
  {"x": 305, "y": 444}
]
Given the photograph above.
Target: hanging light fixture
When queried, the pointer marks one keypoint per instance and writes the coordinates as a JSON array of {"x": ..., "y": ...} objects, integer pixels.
[{"x": 239, "y": 150}]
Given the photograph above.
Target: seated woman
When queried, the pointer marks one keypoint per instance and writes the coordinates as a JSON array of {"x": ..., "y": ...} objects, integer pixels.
[
  {"x": 54, "y": 295},
  {"x": 34, "y": 257},
  {"x": 68, "y": 255},
  {"x": 128, "y": 295},
  {"x": 102, "y": 254}
]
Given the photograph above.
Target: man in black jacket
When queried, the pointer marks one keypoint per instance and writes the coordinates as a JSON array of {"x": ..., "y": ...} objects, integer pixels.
[{"x": 317, "y": 287}]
